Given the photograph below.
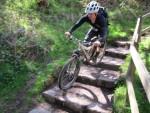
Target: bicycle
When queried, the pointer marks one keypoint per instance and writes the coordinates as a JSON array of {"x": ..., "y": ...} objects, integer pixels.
[{"x": 87, "y": 52}]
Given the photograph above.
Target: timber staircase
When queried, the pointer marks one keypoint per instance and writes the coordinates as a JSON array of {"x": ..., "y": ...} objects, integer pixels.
[{"x": 93, "y": 90}]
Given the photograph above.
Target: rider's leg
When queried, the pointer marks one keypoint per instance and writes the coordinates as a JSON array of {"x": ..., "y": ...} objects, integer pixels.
[
  {"x": 102, "y": 41},
  {"x": 93, "y": 48},
  {"x": 90, "y": 34},
  {"x": 98, "y": 47},
  {"x": 99, "y": 44},
  {"x": 102, "y": 36},
  {"x": 97, "y": 50}
]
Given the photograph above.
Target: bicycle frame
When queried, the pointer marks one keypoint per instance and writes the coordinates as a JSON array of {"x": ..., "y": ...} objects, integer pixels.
[
  {"x": 71, "y": 69},
  {"x": 85, "y": 50}
]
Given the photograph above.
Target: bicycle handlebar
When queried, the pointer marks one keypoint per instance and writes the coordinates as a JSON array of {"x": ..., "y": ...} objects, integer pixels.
[{"x": 75, "y": 39}]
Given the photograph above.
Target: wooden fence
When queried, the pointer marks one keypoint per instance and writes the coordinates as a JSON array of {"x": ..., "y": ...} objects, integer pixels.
[{"x": 137, "y": 64}]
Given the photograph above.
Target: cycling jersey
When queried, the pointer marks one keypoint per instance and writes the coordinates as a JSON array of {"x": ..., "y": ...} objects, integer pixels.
[{"x": 100, "y": 24}]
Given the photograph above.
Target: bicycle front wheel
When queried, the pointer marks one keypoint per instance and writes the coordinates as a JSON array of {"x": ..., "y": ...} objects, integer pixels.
[{"x": 69, "y": 73}]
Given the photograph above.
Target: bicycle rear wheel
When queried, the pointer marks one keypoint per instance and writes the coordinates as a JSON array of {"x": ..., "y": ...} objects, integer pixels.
[{"x": 69, "y": 73}]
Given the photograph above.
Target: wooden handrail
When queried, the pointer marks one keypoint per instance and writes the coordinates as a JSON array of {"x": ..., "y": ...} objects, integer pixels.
[
  {"x": 146, "y": 15},
  {"x": 136, "y": 31},
  {"x": 137, "y": 63},
  {"x": 141, "y": 69},
  {"x": 131, "y": 70},
  {"x": 130, "y": 89},
  {"x": 146, "y": 29}
]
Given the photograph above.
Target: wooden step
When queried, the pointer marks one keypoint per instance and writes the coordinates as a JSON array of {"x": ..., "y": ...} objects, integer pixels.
[
  {"x": 82, "y": 98},
  {"x": 109, "y": 63},
  {"x": 98, "y": 76},
  {"x": 47, "y": 108},
  {"x": 120, "y": 43},
  {"x": 117, "y": 52},
  {"x": 39, "y": 110}
]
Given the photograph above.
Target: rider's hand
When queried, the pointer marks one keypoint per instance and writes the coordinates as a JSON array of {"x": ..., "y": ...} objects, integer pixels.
[{"x": 68, "y": 34}]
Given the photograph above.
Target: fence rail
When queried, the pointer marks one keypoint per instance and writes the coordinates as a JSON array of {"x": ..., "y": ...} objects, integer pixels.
[{"x": 136, "y": 63}]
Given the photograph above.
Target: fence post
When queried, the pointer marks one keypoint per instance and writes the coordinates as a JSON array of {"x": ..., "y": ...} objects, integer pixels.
[
  {"x": 130, "y": 73},
  {"x": 130, "y": 88},
  {"x": 138, "y": 38},
  {"x": 131, "y": 69},
  {"x": 136, "y": 63}
]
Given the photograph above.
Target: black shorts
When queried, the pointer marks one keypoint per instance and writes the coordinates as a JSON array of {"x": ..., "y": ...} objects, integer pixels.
[{"x": 88, "y": 40}]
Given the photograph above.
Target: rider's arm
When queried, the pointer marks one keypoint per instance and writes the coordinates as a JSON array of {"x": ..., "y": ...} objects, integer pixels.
[{"x": 78, "y": 23}]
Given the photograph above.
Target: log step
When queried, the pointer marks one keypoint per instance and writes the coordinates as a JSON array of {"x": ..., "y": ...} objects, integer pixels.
[
  {"x": 47, "y": 108},
  {"x": 98, "y": 76},
  {"x": 117, "y": 52},
  {"x": 82, "y": 98},
  {"x": 109, "y": 63},
  {"x": 120, "y": 43}
]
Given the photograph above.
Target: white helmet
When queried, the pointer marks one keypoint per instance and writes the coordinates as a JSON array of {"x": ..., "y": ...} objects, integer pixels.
[{"x": 92, "y": 7}]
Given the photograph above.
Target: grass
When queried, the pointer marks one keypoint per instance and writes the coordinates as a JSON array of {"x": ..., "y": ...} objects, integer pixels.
[
  {"x": 144, "y": 51},
  {"x": 8, "y": 93},
  {"x": 119, "y": 28},
  {"x": 46, "y": 28},
  {"x": 120, "y": 105},
  {"x": 120, "y": 100},
  {"x": 142, "y": 100},
  {"x": 120, "y": 96}
]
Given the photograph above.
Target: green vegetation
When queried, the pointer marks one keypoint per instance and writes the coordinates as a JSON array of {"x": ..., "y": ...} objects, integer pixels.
[
  {"x": 121, "y": 105},
  {"x": 120, "y": 100},
  {"x": 141, "y": 96},
  {"x": 144, "y": 50},
  {"x": 38, "y": 51},
  {"x": 33, "y": 46}
]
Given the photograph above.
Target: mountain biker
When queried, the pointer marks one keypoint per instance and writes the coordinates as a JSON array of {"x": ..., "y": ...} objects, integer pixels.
[{"x": 97, "y": 18}]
